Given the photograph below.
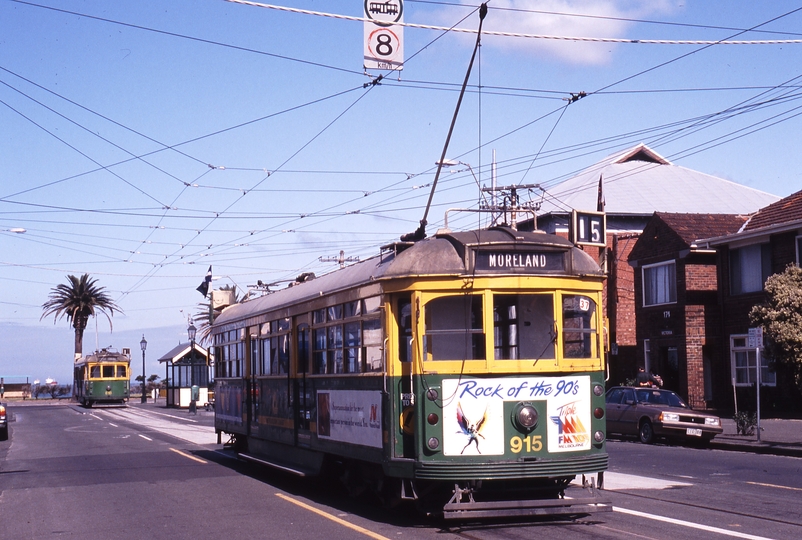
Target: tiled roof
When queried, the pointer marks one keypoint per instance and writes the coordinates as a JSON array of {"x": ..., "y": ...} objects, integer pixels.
[
  {"x": 692, "y": 227},
  {"x": 783, "y": 211},
  {"x": 639, "y": 181}
]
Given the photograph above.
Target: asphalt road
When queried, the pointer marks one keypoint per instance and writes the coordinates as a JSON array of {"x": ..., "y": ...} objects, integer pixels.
[{"x": 67, "y": 472}]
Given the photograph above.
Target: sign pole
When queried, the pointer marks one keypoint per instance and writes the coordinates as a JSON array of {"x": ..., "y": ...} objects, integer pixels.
[{"x": 757, "y": 358}]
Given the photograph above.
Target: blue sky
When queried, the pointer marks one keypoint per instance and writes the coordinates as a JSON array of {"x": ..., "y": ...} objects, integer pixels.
[{"x": 143, "y": 141}]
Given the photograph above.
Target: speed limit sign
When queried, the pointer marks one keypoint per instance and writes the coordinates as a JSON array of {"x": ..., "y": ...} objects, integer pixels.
[{"x": 384, "y": 46}]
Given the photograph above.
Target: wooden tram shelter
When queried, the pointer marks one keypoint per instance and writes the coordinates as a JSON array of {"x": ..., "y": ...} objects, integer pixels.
[{"x": 187, "y": 365}]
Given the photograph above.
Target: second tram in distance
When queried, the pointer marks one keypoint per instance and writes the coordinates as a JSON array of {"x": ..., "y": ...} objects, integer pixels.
[
  {"x": 464, "y": 372},
  {"x": 102, "y": 378}
]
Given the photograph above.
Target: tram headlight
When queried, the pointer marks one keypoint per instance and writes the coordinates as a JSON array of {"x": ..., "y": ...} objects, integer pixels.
[
  {"x": 433, "y": 443},
  {"x": 598, "y": 390},
  {"x": 598, "y": 436},
  {"x": 525, "y": 417}
]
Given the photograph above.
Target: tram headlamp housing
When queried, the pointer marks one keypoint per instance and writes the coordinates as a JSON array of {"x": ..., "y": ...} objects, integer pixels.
[
  {"x": 433, "y": 443},
  {"x": 525, "y": 417},
  {"x": 598, "y": 437},
  {"x": 598, "y": 390}
]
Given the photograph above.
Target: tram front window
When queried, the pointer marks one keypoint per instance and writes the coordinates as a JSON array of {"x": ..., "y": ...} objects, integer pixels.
[
  {"x": 579, "y": 329},
  {"x": 454, "y": 328},
  {"x": 523, "y": 326}
]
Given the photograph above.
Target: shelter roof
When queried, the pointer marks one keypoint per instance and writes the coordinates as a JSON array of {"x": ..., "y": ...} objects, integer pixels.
[
  {"x": 181, "y": 351},
  {"x": 639, "y": 181}
]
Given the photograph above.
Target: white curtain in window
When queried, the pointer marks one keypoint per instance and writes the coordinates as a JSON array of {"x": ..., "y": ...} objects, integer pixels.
[
  {"x": 751, "y": 268},
  {"x": 660, "y": 284}
]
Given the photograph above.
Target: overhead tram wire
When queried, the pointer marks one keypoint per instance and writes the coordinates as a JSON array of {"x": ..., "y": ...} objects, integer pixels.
[
  {"x": 522, "y": 35},
  {"x": 370, "y": 86},
  {"x": 189, "y": 141},
  {"x": 72, "y": 147},
  {"x": 607, "y": 17},
  {"x": 649, "y": 70},
  {"x": 191, "y": 38},
  {"x": 706, "y": 46}
]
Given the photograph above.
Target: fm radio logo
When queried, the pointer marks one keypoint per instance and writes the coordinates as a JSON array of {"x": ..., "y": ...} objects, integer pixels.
[{"x": 571, "y": 433}]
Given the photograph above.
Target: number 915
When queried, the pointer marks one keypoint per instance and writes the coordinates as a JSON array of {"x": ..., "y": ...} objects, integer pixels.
[{"x": 530, "y": 443}]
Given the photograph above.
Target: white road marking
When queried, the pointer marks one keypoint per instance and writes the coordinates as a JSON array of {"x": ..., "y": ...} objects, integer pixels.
[
  {"x": 192, "y": 433},
  {"x": 620, "y": 481},
  {"x": 146, "y": 438},
  {"x": 705, "y": 528}
]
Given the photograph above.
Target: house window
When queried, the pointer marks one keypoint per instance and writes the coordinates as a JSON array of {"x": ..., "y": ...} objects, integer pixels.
[
  {"x": 744, "y": 364},
  {"x": 749, "y": 268},
  {"x": 660, "y": 284}
]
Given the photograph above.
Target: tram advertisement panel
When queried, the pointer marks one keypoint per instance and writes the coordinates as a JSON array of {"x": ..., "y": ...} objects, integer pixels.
[
  {"x": 228, "y": 401},
  {"x": 474, "y": 413},
  {"x": 351, "y": 416}
]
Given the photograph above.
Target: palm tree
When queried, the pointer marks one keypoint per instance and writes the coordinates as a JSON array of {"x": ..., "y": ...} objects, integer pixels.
[{"x": 78, "y": 300}]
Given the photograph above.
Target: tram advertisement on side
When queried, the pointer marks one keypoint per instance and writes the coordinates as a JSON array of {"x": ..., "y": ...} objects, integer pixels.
[
  {"x": 475, "y": 415},
  {"x": 350, "y": 416}
]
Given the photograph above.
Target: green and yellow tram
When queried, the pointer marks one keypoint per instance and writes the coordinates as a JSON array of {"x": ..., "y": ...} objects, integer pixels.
[
  {"x": 465, "y": 372},
  {"x": 102, "y": 378}
]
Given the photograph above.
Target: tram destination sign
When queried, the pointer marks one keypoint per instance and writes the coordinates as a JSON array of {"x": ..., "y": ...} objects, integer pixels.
[{"x": 520, "y": 262}]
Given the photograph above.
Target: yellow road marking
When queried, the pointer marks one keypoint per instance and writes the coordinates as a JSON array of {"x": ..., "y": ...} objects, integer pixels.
[
  {"x": 351, "y": 526},
  {"x": 774, "y": 486},
  {"x": 190, "y": 456}
]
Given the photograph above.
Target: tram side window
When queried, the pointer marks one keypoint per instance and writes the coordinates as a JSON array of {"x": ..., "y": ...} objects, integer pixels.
[
  {"x": 319, "y": 356},
  {"x": 454, "y": 328},
  {"x": 279, "y": 354},
  {"x": 524, "y": 326},
  {"x": 372, "y": 345},
  {"x": 579, "y": 328},
  {"x": 335, "y": 351},
  {"x": 404, "y": 320}
]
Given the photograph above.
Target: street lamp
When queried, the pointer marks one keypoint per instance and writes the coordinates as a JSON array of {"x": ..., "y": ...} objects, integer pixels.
[
  {"x": 144, "y": 345},
  {"x": 191, "y": 330}
]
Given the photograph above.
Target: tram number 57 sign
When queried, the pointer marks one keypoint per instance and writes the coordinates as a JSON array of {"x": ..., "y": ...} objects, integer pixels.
[
  {"x": 589, "y": 228},
  {"x": 384, "y": 36}
]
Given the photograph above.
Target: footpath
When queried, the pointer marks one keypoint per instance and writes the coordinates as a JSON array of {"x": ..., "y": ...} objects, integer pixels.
[
  {"x": 782, "y": 437},
  {"x": 777, "y": 436}
]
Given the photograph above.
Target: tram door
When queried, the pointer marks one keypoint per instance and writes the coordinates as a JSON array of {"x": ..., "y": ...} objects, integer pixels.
[{"x": 303, "y": 391}]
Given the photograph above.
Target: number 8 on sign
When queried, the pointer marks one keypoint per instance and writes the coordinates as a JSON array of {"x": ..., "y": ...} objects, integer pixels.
[{"x": 384, "y": 48}]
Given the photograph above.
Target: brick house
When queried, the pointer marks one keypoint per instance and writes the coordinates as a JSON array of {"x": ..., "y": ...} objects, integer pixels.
[
  {"x": 636, "y": 183},
  {"x": 766, "y": 245},
  {"x": 677, "y": 311}
]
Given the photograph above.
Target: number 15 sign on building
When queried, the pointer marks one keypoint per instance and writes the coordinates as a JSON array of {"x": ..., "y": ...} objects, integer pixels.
[{"x": 384, "y": 37}]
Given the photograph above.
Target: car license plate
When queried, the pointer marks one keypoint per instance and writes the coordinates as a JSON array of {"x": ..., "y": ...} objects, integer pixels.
[{"x": 696, "y": 432}]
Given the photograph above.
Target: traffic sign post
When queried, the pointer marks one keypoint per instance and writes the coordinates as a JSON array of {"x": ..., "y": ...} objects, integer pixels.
[
  {"x": 755, "y": 341},
  {"x": 384, "y": 36}
]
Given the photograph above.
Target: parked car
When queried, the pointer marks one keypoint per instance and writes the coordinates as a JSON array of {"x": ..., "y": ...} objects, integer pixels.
[
  {"x": 651, "y": 412},
  {"x": 3, "y": 423}
]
